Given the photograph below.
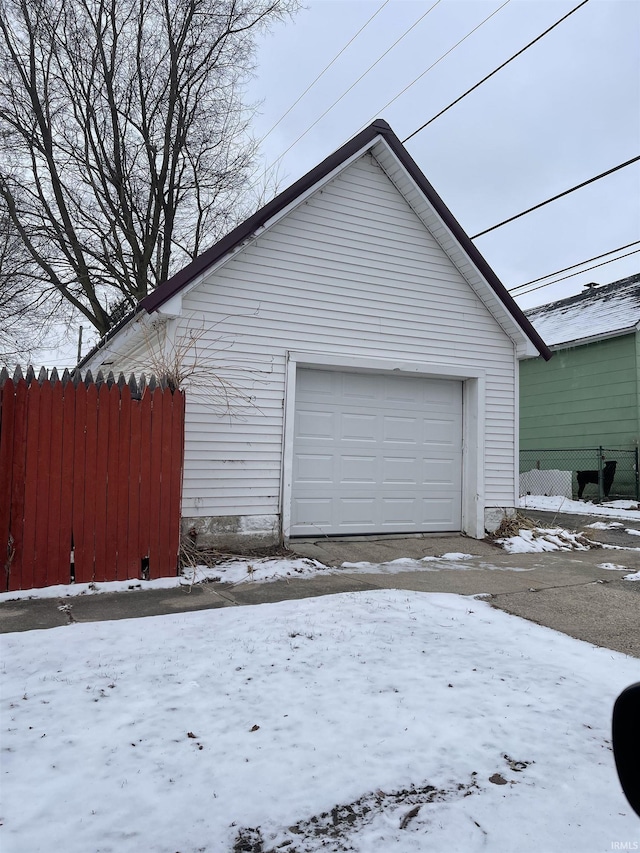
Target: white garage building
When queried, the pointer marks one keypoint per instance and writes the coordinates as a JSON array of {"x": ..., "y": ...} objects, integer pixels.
[{"x": 350, "y": 362}]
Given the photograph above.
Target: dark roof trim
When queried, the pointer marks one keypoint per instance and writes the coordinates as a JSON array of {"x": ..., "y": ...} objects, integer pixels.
[{"x": 247, "y": 228}]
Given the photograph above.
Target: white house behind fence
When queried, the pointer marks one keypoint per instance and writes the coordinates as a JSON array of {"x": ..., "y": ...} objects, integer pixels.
[{"x": 350, "y": 362}]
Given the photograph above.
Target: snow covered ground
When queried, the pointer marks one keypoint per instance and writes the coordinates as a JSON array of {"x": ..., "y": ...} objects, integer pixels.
[
  {"x": 267, "y": 569},
  {"x": 370, "y": 722},
  {"x": 240, "y": 571},
  {"x": 609, "y": 509},
  {"x": 633, "y": 577},
  {"x": 260, "y": 570},
  {"x": 541, "y": 539},
  {"x": 235, "y": 571},
  {"x": 536, "y": 540}
]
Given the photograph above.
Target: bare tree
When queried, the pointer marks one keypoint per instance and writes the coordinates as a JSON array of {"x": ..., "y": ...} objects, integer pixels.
[
  {"x": 124, "y": 138},
  {"x": 25, "y": 311}
]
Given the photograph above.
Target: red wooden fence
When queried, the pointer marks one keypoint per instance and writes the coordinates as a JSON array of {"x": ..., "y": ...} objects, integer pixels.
[{"x": 90, "y": 479}]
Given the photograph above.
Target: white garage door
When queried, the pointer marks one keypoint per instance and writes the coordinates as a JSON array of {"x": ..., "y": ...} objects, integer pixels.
[{"x": 376, "y": 453}]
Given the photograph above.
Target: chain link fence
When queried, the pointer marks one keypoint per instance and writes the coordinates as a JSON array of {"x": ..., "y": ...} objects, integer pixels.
[{"x": 597, "y": 473}]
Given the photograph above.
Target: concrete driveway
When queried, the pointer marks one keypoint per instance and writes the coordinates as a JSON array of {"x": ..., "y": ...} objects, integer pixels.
[{"x": 567, "y": 591}]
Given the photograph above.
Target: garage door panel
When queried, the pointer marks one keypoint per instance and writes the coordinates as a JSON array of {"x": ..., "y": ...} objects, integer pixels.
[
  {"x": 359, "y": 388},
  {"x": 442, "y": 393},
  {"x": 315, "y": 514},
  {"x": 358, "y": 427},
  {"x": 315, "y": 425},
  {"x": 447, "y": 432},
  {"x": 317, "y": 383},
  {"x": 357, "y": 511},
  {"x": 376, "y": 453},
  {"x": 441, "y": 472},
  {"x": 400, "y": 430},
  {"x": 400, "y": 470},
  {"x": 439, "y": 509},
  {"x": 358, "y": 469},
  {"x": 403, "y": 389},
  {"x": 314, "y": 468},
  {"x": 399, "y": 511}
]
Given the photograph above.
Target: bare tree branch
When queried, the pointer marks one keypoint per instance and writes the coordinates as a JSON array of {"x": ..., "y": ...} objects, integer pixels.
[
  {"x": 26, "y": 310},
  {"x": 124, "y": 144}
]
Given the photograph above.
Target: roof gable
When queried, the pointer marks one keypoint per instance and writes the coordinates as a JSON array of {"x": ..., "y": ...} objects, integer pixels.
[
  {"x": 405, "y": 174},
  {"x": 597, "y": 313}
]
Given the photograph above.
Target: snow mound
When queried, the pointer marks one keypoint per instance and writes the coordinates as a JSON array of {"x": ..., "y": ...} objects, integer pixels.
[
  {"x": 264, "y": 569},
  {"x": 540, "y": 539},
  {"x": 626, "y": 509}
]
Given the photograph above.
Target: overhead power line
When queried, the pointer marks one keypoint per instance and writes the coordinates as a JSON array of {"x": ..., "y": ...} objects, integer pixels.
[
  {"x": 572, "y": 267},
  {"x": 346, "y": 92},
  {"x": 419, "y": 77},
  {"x": 484, "y": 79},
  {"x": 433, "y": 64},
  {"x": 556, "y": 197},
  {"x": 444, "y": 55},
  {"x": 571, "y": 275},
  {"x": 324, "y": 71}
]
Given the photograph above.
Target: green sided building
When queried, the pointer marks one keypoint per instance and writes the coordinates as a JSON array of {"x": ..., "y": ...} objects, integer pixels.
[{"x": 588, "y": 396}]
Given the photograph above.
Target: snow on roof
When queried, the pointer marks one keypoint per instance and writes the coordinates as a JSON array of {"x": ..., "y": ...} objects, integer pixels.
[{"x": 600, "y": 311}]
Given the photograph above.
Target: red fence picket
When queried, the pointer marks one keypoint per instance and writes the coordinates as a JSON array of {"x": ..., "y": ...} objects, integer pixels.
[
  {"x": 7, "y": 419},
  {"x": 90, "y": 479}
]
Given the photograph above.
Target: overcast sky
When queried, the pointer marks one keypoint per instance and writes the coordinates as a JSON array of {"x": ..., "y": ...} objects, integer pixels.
[{"x": 565, "y": 111}]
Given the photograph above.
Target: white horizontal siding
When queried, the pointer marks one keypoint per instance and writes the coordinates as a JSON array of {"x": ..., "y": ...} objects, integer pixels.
[
  {"x": 351, "y": 272},
  {"x": 427, "y": 213}
]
